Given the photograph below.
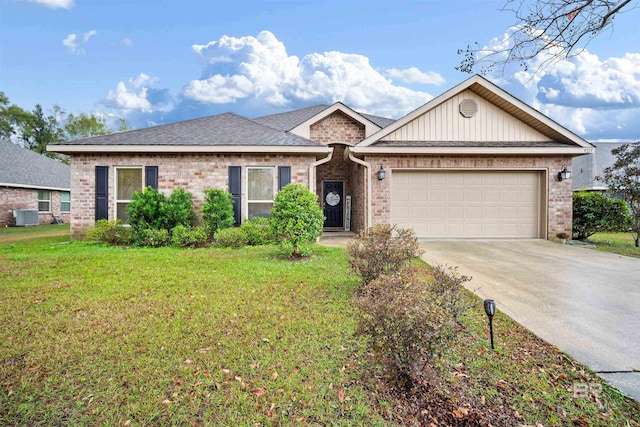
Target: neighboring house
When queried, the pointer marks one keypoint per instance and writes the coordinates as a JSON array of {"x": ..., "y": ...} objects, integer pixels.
[
  {"x": 588, "y": 167},
  {"x": 29, "y": 180},
  {"x": 474, "y": 162}
]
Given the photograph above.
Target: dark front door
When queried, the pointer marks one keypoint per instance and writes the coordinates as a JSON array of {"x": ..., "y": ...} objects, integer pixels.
[{"x": 332, "y": 202}]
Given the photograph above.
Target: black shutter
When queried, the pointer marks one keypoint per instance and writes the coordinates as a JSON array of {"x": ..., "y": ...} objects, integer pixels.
[
  {"x": 102, "y": 192},
  {"x": 235, "y": 189},
  {"x": 284, "y": 176},
  {"x": 151, "y": 177}
]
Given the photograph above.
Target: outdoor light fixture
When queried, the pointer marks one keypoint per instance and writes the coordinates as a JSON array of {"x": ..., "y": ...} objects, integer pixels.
[
  {"x": 381, "y": 173},
  {"x": 564, "y": 173},
  {"x": 490, "y": 309}
]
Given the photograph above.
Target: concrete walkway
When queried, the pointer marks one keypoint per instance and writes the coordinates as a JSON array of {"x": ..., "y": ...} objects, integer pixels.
[{"x": 585, "y": 302}]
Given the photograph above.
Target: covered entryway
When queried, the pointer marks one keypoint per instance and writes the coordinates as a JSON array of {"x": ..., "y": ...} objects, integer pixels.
[{"x": 468, "y": 204}]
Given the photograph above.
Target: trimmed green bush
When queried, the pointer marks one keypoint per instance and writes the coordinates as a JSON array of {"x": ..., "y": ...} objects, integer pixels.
[
  {"x": 380, "y": 250},
  {"x": 257, "y": 232},
  {"x": 230, "y": 238},
  {"x": 217, "y": 210},
  {"x": 154, "y": 238},
  {"x": 146, "y": 212},
  {"x": 409, "y": 317},
  {"x": 595, "y": 212},
  {"x": 112, "y": 232},
  {"x": 296, "y": 219},
  {"x": 178, "y": 209},
  {"x": 188, "y": 237}
]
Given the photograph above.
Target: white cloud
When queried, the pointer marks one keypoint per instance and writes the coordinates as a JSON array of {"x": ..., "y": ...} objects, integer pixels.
[
  {"x": 259, "y": 69},
  {"x": 73, "y": 43},
  {"x": 414, "y": 75},
  {"x": 55, "y": 4},
  {"x": 126, "y": 97}
]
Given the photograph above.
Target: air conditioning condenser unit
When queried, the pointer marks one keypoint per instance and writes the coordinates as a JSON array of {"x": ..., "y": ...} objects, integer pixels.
[{"x": 26, "y": 217}]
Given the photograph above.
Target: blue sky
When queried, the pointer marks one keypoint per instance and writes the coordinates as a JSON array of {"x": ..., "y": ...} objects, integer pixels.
[{"x": 158, "y": 61}]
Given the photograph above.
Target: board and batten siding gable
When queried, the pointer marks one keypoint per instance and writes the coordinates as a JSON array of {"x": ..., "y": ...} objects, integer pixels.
[{"x": 445, "y": 123}]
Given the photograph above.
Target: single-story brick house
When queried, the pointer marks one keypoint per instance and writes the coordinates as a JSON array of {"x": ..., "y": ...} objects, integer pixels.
[
  {"x": 32, "y": 181},
  {"x": 474, "y": 162}
]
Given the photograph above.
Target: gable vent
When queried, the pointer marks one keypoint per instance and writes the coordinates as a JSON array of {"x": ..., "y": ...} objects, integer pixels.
[{"x": 468, "y": 108}]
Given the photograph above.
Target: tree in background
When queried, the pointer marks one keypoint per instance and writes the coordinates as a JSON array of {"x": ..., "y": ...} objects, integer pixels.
[
  {"x": 594, "y": 212},
  {"x": 623, "y": 180},
  {"x": 551, "y": 29},
  {"x": 84, "y": 126}
]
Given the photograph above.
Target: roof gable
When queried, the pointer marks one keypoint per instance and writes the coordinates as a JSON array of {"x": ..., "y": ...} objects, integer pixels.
[
  {"x": 20, "y": 167},
  {"x": 290, "y": 119},
  {"x": 304, "y": 128},
  {"x": 501, "y": 118}
]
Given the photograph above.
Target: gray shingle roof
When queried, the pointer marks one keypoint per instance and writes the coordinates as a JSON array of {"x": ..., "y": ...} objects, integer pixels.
[
  {"x": 226, "y": 129},
  {"x": 586, "y": 168},
  {"x": 383, "y": 122},
  {"x": 290, "y": 119},
  {"x": 22, "y": 167}
]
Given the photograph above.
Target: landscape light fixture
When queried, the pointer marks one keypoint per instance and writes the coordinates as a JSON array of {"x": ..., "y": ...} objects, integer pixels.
[
  {"x": 564, "y": 173},
  {"x": 490, "y": 309},
  {"x": 381, "y": 173}
]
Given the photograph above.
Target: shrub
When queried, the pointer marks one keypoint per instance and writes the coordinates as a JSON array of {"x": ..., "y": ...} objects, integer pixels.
[
  {"x": 407, "y": 317},
  {"x": 146, "y": 211},
  {"x": 217, "y": 210},
  {"x": 296, "y": 219},
  {"x": 256, "y": 231},
  {"x": 594, "y": 212},
  {"x": 112, "y": 232},
  {"x": 376, "y": 251},
  {"x": 191, "y": 237},
  {"x": 154, "y": 238},
  {"x": 178, "y": 209},
  {"x": 230, "y": 238}
]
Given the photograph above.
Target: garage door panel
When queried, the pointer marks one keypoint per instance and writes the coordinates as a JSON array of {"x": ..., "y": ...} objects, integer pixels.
[{"x": 467, "y": 204}]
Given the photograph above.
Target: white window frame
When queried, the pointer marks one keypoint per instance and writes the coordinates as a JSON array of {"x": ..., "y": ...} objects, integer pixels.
[
  {"x": 115, "y": 194},
  {"x": 44, "y": 200},
  {"x": 274, "y": 183},
  {"x": 62, "y": 202}
]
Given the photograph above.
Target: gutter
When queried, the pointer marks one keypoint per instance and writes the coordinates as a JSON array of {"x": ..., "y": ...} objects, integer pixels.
[{"x": 312, "y": 170}]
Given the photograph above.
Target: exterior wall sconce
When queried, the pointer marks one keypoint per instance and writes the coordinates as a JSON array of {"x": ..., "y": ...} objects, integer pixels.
[
  {"x": 490, "y": 309},
  {"x": 381, "y": 173},
  {"x": 564, "y": 173}
]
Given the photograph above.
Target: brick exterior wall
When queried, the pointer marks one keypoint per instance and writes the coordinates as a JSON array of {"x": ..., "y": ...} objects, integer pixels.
[
  {"x": 559, "y": 201},
  {"x": 12, "y": 198},
  {"x": 193, "y": 172},
  {"x": 337, "y": 127}
]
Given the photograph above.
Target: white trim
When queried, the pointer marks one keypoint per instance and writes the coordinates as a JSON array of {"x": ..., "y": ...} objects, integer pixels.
[
  {"x": 304, "y": 128},
  {"x": 580, "y": 142},
  {"x": 472, "y": 150},
  {"x": 33, "y": 187},
  {"x": 48, "y": 200},
  {"x": 186, "y": 149},
  {"x": 367, "y": 166}
]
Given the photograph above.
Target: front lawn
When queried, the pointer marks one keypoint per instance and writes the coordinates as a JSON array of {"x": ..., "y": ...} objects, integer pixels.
[
  {"x": 95, "y": 335},
  {"x": 616, "y": 243}
]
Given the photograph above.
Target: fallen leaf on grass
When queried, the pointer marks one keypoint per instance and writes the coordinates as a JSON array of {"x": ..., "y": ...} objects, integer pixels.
[
  {"x": 188, "y": 362},
  {"x": 341, "y": 396},
  {"x": 274, "y": 376},
  {"x": 461, "y": 412},
  {"x": 259, "y": 391}
]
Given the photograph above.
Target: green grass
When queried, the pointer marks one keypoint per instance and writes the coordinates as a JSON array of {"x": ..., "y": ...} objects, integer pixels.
[
  {"x": 616, "y": 243},
  {"x": 96, "y": 335}
]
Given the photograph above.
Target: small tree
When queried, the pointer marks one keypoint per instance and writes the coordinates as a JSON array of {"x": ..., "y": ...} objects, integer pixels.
[
  {"x": 217, "y": 210},
  {"x": 594, "y": 212},
  {"x": 623, "y": 180},
  {"x": 296, "y": 219}
]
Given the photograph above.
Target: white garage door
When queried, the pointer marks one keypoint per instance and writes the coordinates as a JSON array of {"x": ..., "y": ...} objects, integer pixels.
[{"x": 467, "y": 204}]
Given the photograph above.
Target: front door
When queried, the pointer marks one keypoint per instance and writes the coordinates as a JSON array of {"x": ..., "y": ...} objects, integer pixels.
[{"x": 332, "y": 202}]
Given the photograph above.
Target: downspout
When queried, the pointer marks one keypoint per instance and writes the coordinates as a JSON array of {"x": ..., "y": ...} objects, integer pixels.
[
  {"x": 312, "y": 171},
  {"x": 367, "y": 167}
]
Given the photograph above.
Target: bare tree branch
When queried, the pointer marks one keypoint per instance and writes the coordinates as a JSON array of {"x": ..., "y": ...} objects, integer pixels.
[{"x": 547, "y": 30}]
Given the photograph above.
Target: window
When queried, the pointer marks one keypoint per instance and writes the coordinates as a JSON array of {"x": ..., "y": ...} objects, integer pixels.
[
  {"x": 44, "y": 200},
  {"x": 65, "y": 201},
  {"x": 260, "y": 191},
  {"x": 128, "y": 181}
]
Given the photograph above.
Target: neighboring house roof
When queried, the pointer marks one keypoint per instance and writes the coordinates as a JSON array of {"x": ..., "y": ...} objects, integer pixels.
[
  {"x": 226, "y": 132},
  {"x": 23, "y": 168},
  {"x": 590, "y": 166},
  {"x": 545, "y": 135}
]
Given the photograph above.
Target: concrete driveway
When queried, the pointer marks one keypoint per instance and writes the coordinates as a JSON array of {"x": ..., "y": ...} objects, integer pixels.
[{"x": 585, "y": 302}]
